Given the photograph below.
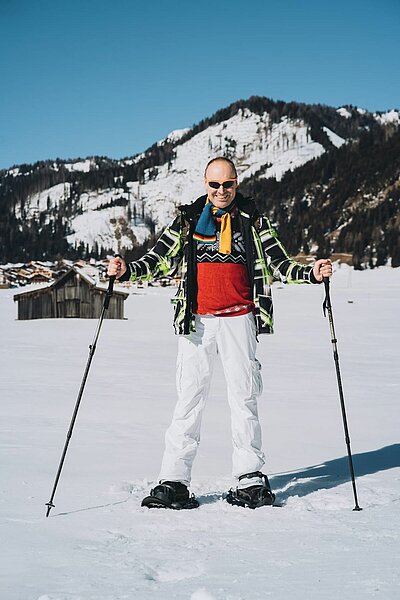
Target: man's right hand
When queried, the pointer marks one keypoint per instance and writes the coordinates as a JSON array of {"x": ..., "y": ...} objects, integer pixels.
[{"x": 116, "y": 267}]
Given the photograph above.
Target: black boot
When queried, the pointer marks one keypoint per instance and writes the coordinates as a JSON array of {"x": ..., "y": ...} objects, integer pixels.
[
  {"x": 170, "y": 494},
  {"x": 253, "y": 496}
]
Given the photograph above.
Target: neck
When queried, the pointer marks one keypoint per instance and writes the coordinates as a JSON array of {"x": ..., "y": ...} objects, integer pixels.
[{"x": 226, "y": 208}]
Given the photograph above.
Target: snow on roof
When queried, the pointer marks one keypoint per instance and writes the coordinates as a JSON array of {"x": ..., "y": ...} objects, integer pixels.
[
  {"x": 88, "y": 274},
  {"x": 33, "y": 287},
  {"x": 12, "y": 266},
  {"x": 88, "y": 271}
]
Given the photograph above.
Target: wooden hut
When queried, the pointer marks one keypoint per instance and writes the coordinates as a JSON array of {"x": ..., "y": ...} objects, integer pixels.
[{"x": 74, "y": 295}]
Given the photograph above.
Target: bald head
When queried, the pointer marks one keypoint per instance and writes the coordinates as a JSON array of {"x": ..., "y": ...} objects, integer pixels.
[{"x": 221, "y": 159}]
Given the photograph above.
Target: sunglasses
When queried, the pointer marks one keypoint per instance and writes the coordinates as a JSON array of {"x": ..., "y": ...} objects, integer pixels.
[{"x": 225, "y": 184}]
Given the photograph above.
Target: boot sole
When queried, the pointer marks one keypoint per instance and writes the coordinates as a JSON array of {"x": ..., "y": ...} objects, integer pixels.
[
  {"x": 153, "y": 502},
  {"x": 237, "y": 502}
]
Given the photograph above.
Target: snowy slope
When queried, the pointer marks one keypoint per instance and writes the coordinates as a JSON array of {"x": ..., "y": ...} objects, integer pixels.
[
  {"x": 35, "y": 204},
  {"x": 256, "y": 143},
  {"x": 98, "y": 544},
  {"x": 104, "y": 224},
  {"x": 251, "y": 139}
]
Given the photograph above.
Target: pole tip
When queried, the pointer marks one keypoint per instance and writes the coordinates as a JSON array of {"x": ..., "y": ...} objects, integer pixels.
[
  {"x": 357, "y": 508},
  {"x": 49, "y": 505}
]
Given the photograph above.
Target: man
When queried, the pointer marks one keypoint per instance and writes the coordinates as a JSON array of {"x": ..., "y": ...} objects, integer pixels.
[{"x": 228, "y": 255}]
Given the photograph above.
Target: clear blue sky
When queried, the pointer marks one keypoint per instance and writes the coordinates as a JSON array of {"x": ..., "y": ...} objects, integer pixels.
[{"x": 85, "y": 77}]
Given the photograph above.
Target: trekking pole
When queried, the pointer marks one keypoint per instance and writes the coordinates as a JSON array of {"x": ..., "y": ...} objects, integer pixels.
[
  {"x": 92, "y": 349},
  {"x": 327, "y": 306}
]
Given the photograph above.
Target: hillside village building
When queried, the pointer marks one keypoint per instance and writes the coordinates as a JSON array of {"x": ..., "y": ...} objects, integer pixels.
[{"x": 19, "y": 274}]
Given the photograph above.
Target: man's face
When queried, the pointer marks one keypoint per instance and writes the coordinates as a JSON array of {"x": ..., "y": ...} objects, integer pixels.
[{"x": 220, "y": 171}]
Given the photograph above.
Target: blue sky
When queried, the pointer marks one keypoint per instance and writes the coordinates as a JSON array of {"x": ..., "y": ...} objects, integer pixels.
[{"x": 82, "y": 78}]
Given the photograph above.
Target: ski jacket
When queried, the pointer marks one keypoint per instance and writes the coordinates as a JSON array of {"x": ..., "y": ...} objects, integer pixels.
[{"x": 175, "y": 251}]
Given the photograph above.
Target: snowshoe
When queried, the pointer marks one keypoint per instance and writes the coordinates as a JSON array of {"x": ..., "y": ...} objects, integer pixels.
[
  {"x": 253, "y": 496},
  {"x": 170, "y": 494}
]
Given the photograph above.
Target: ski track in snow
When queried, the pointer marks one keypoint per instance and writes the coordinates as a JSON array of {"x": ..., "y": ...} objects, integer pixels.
[{"x": 100, "y": 544}]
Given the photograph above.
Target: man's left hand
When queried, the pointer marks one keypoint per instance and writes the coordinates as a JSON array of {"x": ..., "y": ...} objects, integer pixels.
[{"x": 322, "y": 268}]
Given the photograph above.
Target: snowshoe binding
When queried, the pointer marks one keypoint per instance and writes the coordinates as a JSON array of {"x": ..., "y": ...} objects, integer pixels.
[
  {"x": 253, "y": 496},
  {"x": 170, "y": 494}
]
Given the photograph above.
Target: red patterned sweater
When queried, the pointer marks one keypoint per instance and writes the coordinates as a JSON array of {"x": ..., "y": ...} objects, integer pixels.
[{"x": 223, "y": 287}]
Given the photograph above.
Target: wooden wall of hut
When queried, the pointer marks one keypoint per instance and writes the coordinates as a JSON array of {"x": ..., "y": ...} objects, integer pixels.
[
  {"x": 35, "y": 305},
  {"x": 72, "y": 297}
]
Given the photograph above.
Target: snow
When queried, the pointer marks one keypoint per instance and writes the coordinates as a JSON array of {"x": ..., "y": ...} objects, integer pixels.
[
  {"x": 175, "y": 135},
  {"x": 288, "y": 147},
  {"x": 343, "y": 112},
  {"x": 105, "y": 224},
  {"x": 81, "y": 165},
  {"x": 99, "y": 544},
  {"x": 391, "y": 116},
  {"x": 334, "y": 138},
  {"x": 98, "y": 222},
  {"x": 38, "y": 203},
  {"x": 13, "y": 172},
  {"x": 31, "y": 287},
  {"x": 12, "y": 265}
]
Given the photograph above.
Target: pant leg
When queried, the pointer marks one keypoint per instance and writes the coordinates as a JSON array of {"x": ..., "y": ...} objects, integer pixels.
[
  {"x": 196, "y": 355},
  {"x": 236, "y": 341}
]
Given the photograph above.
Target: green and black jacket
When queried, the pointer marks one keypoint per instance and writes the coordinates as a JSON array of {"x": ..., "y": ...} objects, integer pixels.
[{"x": 175, "y": 251}]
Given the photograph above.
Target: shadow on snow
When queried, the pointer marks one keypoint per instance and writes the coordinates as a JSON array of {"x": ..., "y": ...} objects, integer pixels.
[
  {"x": 327, "y": 475},
  {"x": 334, "y": 472}
]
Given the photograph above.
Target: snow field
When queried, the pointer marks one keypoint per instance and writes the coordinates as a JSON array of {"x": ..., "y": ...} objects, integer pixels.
[{"x": 99, "y": 544}]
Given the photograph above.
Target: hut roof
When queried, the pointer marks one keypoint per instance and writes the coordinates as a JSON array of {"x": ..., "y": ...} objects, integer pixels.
[{"x": 88, "y": 274}]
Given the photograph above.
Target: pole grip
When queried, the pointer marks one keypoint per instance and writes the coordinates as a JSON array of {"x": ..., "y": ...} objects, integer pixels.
[
  {"x": 109, "y": 292},
  {"x": 327, "y": 301},
  {"x": 110, "y": 288}
]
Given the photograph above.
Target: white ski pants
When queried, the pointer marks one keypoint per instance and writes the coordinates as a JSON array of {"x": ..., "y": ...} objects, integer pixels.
[{"x": 234, "y": 338}]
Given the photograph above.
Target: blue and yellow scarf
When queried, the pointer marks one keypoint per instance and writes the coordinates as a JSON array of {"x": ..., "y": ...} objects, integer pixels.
[{"x": 206, "y": 229}]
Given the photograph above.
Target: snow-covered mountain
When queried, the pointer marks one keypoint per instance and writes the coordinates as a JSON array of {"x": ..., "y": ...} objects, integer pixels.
[{"x": 98, "y": 204}]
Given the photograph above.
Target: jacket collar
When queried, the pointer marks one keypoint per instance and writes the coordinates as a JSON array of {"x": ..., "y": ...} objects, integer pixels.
[{"x": 193, "y": 211}]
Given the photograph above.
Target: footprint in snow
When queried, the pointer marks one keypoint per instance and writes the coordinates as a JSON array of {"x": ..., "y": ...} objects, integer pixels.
[{"x": 162, "y": 574}]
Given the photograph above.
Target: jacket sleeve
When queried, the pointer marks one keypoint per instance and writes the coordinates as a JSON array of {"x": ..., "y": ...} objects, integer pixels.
[
  {"x": 161, "y": 259},
  {"x": 282, "y": 267}
]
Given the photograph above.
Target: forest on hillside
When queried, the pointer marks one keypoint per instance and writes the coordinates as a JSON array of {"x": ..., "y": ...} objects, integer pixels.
[{"x": 347, "y": 200}]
